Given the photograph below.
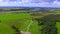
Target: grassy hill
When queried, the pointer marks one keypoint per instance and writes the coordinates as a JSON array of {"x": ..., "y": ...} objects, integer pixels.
[
  {"x": 19, "y": 20},
  {"x": 5, "y": 29}
]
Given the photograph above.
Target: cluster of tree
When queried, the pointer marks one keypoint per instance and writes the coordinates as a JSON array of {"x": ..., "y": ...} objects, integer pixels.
[
  {"x": 49, "y": 27},
  {"x": 48, "y": 23},
  {"x": 17, "y": 31}
]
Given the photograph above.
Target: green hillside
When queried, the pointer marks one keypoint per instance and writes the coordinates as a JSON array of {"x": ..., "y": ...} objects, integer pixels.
[
  {"x": 5, "y": 29},
  {"x": 19, "y": 20}
]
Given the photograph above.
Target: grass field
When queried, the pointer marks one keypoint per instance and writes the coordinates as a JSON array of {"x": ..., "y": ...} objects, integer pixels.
[
  {"x": 19, "y": 20},
  {"x": 58, "y": 23},
  {"x": 58, "y": 27},
  {"x": 5, "y": 29}
]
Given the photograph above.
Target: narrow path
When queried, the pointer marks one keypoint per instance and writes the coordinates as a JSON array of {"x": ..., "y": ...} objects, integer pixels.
[{"x": 29, "y": 25}]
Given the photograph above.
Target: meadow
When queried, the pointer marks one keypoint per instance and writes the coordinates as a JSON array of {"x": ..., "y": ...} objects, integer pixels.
[{"x": 21, "y": 21}]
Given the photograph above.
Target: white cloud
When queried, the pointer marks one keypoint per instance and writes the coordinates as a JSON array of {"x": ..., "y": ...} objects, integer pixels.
[{"x": 29, "y": 4}]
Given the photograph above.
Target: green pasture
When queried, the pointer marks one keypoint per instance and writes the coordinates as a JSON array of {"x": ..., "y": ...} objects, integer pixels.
[
  {"x": 58, "y": 27},
  {"x": 19, "y": 20},
  {"x": 5, "y": 29}
]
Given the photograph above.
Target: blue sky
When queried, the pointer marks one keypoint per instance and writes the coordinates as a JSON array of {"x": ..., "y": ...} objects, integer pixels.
[{"x": 34, "y": 3}]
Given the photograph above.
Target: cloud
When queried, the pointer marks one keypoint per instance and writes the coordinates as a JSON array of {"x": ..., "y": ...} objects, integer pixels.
[{"x": 29, "y": 4}]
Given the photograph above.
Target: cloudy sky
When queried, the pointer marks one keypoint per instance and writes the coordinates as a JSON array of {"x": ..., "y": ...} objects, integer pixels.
[{"x": 30, "y": 3}]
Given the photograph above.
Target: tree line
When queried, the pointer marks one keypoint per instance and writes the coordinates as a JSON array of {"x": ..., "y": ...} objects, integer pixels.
[{"x": 48, "y": 24}]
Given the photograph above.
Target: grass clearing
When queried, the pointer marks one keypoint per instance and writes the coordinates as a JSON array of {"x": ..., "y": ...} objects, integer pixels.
[
  {"x": 19, "y": 20},
  {"x": 58, "y": 27},
  {"x": 5, "y": 29}
]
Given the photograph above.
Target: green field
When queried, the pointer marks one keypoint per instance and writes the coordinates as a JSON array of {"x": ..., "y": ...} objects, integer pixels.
[
  {"x": 58, "y": 23},
  {"x": 58, "y": 26},
  {"x": 19, "y": 20}
]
